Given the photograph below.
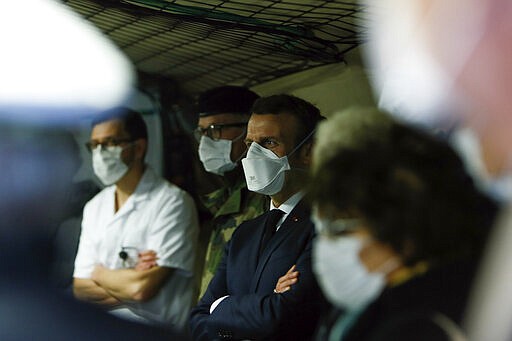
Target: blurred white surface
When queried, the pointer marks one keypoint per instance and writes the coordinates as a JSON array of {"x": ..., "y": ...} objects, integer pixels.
[{"x": 55, "y": 65}]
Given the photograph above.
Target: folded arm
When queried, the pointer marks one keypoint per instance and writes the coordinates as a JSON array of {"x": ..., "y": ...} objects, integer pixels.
[
  {"x": 255, "y": 315},
  {"x": 130, "y": 284},
  {"x": 286, "y": 281},
  {"x": 87, "y": 290},
  {"x": 258, "y": 316}
]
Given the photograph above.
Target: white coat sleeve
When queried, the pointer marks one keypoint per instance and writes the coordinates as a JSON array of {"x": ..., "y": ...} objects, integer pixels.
[
  {"x": 174, "y": 231},
  {"x": 86, "y": 256}
]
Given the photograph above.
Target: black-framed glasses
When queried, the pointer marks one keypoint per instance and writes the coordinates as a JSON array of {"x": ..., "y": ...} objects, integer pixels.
[
  {"x": 214, "y": 131},
  {"x": 112, "y": 142}
]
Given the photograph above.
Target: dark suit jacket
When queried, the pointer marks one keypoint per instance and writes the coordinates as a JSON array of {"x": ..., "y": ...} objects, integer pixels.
[
  {"x": 409, "y": 311},
  {"x": 253, "y": 310}
]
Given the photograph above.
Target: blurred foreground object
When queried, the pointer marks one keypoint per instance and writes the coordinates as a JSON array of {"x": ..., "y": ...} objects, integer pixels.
[
  {"x": 54, "y": 71},
  {"x": 55, "y": 66},
  {"x": 400, "y": 229},
  {"x": 407, "y": 78},
  {"x": 465, "y": 50}
]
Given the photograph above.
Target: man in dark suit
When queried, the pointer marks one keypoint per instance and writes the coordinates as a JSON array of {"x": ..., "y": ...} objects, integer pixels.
[{"x": 241, "y": 301}]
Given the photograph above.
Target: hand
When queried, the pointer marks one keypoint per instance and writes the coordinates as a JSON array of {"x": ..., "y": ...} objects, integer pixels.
[
  {"x": 147, "y": 260},
  {"x": 285, "y": 282}
]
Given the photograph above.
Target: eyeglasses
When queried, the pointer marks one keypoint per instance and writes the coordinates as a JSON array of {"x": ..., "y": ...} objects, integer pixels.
[
  {"x": 112, "y": 142},
  {"x": 334, "y": 227},
  {"x": 214, "y": 131},
  {"x": 338, "y": 227}
]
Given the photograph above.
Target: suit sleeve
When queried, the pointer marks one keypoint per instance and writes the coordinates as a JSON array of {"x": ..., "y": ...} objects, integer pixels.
[
  {"x": 200, "y": 315},
  {"x": 256, "y": 316}
]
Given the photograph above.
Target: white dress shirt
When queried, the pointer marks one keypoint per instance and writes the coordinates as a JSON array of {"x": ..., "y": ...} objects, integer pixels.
[{"x": 287, "y": 207}]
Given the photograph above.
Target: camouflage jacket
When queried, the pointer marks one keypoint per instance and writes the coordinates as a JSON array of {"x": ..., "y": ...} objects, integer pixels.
[{"x": 230, "y": 207}]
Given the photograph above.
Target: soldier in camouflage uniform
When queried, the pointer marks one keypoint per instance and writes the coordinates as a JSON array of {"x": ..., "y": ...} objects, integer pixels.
[
  {"x": 230, "y": 207},
  {"x": 223, "y": 115}
]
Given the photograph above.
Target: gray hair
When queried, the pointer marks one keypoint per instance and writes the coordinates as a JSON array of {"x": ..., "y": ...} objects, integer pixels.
[{"x": 350, "y": 129}]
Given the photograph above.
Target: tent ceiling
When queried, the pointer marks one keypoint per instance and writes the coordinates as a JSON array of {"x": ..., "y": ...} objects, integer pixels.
[{"x": 203, "y": 44}]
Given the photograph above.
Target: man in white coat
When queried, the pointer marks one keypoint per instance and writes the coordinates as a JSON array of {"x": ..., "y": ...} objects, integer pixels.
[{"x": 136, "y": 215}]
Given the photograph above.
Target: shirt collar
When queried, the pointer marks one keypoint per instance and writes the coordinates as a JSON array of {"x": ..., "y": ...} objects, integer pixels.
[
  {"x": 145, "y": 185},
  {"x": 287, "y": 206}
]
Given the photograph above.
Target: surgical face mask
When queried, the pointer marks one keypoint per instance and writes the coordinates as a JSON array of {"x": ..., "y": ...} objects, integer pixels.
[
  {"x": 264, "y": 170},
  {"x": 107, "y": 164},
  {"x": 216, "y": 155},
  {"x": 344, "y": 280}
]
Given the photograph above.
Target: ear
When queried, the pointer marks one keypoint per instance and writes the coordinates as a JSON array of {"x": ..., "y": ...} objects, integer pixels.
[
  {"x": 141, "y": 146},
  {"x": 306, "y": 153}
]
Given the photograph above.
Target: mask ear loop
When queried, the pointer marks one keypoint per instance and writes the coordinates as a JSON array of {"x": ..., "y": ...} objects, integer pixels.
[
  {"x": 302, "y": 142},
  {"x": 293, "y": 151},
  {"x": 297, "y": 147}
]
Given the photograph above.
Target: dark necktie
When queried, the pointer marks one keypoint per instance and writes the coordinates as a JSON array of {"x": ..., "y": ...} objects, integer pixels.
[{"x": 270, "y": 227}]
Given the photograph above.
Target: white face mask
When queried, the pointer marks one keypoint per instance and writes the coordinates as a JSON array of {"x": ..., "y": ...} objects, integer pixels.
[
  {"x": 216, "y": 155},
  {"x": 344, "y": 280},
  {"x": 264, "y": 170},
  {"x": 107, "y": 164}
]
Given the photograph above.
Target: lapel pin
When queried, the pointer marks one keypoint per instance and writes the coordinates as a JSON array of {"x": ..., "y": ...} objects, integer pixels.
[{"x": 295, "y": 219}]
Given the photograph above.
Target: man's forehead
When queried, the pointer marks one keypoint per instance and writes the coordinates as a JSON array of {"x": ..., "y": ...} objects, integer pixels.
[
  {"x": 221, "y": 118},
  {"x": 270, "y": 125},
  {"x": 265, "y": 122},
  {"x": 114, "y": 127},
  {"x": 284, "y": 121}
]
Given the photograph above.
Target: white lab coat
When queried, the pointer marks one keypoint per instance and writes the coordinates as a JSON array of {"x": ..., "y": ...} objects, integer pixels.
[{"x": 157, "y": 216}]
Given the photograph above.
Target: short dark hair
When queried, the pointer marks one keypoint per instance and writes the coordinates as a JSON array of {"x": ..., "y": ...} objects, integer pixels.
[
  {"x": 306, "y": 113},
  {"x": 412, "y": 190},
  {"x": 227, "y": 99},
  {"x": 132, "y": 120}
]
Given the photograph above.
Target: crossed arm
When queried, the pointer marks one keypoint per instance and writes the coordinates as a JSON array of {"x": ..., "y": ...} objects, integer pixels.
[
  {"x": 87, "y": 290},
  {"x": 112, "y": 287},
  {"x": 253, "y": 315},
  {"x": 286, "y": 281}
]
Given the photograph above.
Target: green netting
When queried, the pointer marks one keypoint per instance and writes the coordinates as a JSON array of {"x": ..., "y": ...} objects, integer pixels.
[{"x": 202, "y": 44}]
